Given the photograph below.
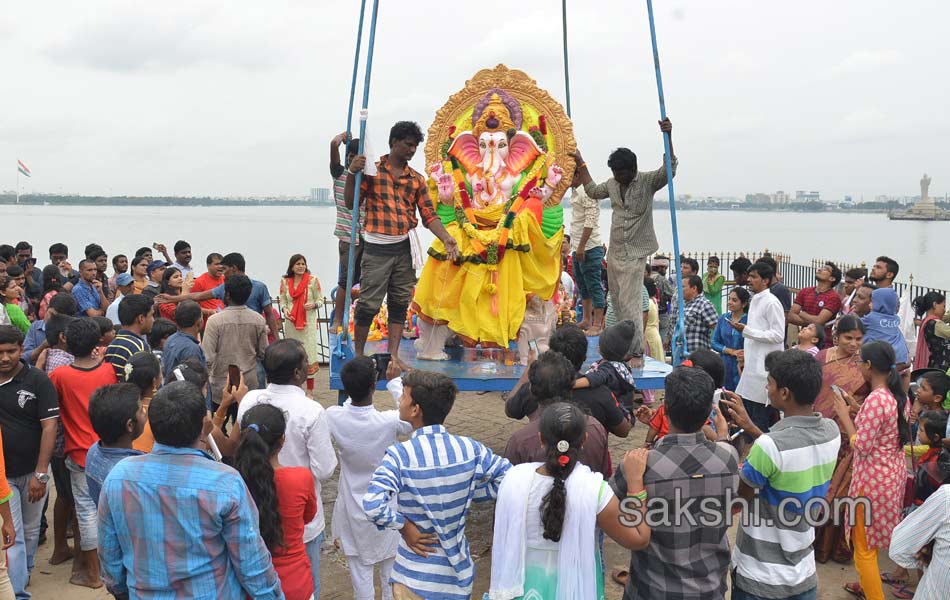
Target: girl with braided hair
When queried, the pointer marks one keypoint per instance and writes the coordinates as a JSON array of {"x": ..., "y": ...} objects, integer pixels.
[
  {"x": 286, "y": 498},
  {"x": 565, "y": 504}
]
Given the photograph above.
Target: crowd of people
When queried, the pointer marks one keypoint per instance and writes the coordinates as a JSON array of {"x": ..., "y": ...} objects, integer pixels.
[{"x": 174, "y": 413}]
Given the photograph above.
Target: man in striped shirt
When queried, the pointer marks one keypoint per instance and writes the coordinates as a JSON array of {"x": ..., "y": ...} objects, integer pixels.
[
  {"x": 786, "y": 468},
  {"x": 344, "y": 224},
  {"x": 434, "y": 476},
  {"x": 137, "y": 318}
]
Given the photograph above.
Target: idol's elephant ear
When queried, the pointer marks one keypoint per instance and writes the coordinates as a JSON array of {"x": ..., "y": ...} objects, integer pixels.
[
  {"x": 464, "y": 148},
  {"x": 522, "y": 150}
]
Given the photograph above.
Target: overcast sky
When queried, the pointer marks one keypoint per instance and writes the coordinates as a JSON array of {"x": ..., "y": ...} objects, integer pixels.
[{"x": 241, "y": 98}]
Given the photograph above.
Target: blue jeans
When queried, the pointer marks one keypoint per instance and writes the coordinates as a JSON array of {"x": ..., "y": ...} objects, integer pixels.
[
  {"x": 587, "y": 274},
  {"x": 87, "y": 514},
  {"x": 26, "y": 521},
  {"x": 313, "y": 553},
  {"x": 760, "y": 414},
  {"x": 739, "y": 594}
]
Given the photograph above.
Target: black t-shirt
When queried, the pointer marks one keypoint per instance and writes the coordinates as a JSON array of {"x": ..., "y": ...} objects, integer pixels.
[
  {"x": 784, "y": 296},
  {"x": 598, "y": 401},
  {"x": 25, "y": 400}
]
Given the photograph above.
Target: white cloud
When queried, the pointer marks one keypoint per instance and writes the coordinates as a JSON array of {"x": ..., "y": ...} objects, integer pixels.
[{"x": 866, "y": 61}]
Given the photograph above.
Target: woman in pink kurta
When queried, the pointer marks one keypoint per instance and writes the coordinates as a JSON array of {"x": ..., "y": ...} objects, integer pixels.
[{"x": 877, "y": 435}]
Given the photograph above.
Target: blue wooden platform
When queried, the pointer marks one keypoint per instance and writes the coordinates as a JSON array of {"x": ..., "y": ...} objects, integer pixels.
[{"x": 476, "y": 370}]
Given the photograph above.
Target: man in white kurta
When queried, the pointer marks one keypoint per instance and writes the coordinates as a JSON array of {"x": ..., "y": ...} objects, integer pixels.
[
  {"x": 362, "y": 435},
  {"x": 763, "y": 333}
]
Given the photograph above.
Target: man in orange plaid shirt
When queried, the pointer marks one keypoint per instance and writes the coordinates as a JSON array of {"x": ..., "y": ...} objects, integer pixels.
[{"x": 391, "y": 198}]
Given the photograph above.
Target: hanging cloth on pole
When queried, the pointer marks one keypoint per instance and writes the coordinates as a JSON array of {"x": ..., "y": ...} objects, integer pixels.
[
  {"x": 343, "y": 347},
  {"x": 567, "y": 75}
]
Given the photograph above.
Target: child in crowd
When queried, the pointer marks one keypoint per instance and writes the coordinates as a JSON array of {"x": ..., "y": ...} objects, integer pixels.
[
  {"x": 810, "y": 339},
  {"x": 75, "y": 384},
  {"x": 106, "y": 333},
  {"x": 286, "y": 497},
  {"x": 362, "y": 434},
  {"x": 930, "y": 474},
  {"x": 162, "y": 329},
  {"x": 659, "y": 423},
  {"x": 118, "y": 417},
  {"x": 786, "y": 470},
  {"x": 612, "y": 370},
  {"x": 931, "y": 430},
  {"x": 433, "y": 560},
  {"x": 144, "y": 371},
  {"x": 55, "y": 356},
  {"x": 929, "y": 392}
]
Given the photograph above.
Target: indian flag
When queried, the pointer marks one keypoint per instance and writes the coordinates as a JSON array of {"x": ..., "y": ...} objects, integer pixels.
[{"x": 23, "y": 168}]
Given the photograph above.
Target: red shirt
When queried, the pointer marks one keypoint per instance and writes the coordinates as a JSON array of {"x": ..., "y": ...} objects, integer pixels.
[
  {"x": 813, "y": 303},
  {"x": 167, "y": 311},
  {"x": 207, "y": 282},
  {"x": 297, "y": 504},
  {"x": 660, "y": 424},
  {"x": 75, "y": 386}
]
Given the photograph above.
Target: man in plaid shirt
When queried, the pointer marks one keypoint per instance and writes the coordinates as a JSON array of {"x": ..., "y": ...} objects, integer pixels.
[
  {"x": 699, "y": 314},
  {"x": 688, "y": 555},
  {"x": 391, "y": 198}
]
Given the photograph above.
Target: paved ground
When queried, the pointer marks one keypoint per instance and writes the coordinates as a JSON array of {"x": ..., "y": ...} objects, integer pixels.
[{"x": 481, "y": 417}]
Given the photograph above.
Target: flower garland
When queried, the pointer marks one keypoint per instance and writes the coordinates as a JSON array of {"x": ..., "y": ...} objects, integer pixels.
[{"x": 490, "y": 250}]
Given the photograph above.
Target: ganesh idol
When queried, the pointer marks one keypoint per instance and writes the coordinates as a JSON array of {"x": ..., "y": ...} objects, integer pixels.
[{"x": 493, "y": 157}]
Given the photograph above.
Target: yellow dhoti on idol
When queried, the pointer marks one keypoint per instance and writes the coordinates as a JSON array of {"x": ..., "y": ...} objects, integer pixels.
[{"x": 497, "y": 154}]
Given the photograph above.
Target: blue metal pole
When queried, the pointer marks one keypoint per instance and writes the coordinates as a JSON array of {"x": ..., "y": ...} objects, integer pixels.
[
  {"x": 567, "y": 76},
  {"x": 356, "y": 65},
  {"x": 343, "y": 344},
  {"x": 680, "y": 351}
]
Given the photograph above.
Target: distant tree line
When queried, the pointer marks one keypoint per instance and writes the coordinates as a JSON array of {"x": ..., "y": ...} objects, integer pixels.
[{"x": 62, "y": 200}]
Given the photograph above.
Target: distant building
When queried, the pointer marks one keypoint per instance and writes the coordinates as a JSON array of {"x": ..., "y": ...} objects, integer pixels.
[
  {"x": 802, "y": 196},
  {"x": 320, "y": 195},
  {"x": 758, "y": 199},
  {"x": 780, "y": 197}
]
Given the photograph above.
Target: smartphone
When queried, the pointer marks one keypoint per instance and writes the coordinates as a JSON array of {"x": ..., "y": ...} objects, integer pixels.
[
  {"x": 837, "y": 389},
  {"x": 381, "y": 360},
  {"x": 155, "y": 245},
  {"x": 914, "y": 386},
  {"x": 234, "y": 377},
  {"x": 533, "y": 346}
]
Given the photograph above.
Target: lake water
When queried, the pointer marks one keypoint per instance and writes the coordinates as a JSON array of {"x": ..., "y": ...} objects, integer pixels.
[{"x": 268, "y": 236}]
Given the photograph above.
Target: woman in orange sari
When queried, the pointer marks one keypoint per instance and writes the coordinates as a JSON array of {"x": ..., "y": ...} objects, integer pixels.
[
  {"x": 300, "y": 296},
  {"x": 840, "y": 366}
]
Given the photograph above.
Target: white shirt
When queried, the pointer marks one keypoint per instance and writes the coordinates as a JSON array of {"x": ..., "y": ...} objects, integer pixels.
[
  {"x": 182, "y": 268},
  {"x": 764, "y": 333},
  {"x": 112, "y": 313},
  {"x": 362, "y": 435},
  {"x": 307, "y": 439},
  {"x": 931, "y": 521},
  {"x": 585, "y": 212}
]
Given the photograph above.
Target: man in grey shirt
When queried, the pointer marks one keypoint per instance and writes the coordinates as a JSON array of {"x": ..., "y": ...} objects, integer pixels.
[
  {"x": 235, "y": 336},
  {"x": 632, "y": 238}
]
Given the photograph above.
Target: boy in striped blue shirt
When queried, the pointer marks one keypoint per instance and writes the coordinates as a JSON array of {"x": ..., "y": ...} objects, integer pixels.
[
  {"x": 434, "y": 476},
  {"x": 791, "y": 464}
]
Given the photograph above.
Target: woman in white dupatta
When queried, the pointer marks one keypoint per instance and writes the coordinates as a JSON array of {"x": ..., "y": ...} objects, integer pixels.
[{"x": 544, "y": 507}]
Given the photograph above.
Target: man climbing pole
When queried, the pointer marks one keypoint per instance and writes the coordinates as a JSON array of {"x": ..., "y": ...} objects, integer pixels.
[{"x": 632, "y": 238}]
